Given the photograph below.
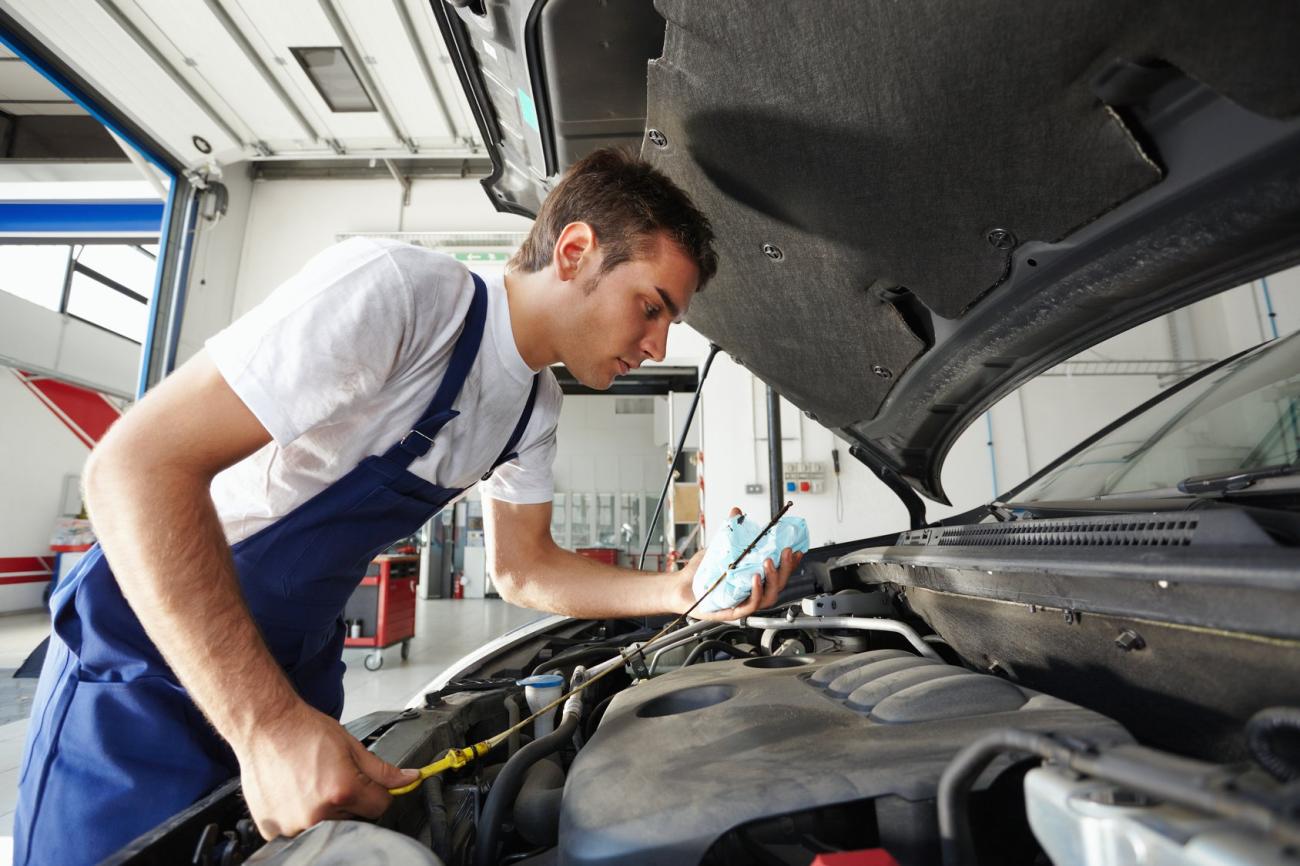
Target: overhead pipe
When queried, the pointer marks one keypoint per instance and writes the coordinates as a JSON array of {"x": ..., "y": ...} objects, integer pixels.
[{"x": 363, "y": 74}]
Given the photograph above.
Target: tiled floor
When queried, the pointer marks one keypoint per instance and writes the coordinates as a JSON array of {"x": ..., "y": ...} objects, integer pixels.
[{"x": 445, "y": 631}]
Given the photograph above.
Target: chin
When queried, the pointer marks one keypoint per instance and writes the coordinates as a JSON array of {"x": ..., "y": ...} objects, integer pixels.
[{"x": 597, "y": 381}]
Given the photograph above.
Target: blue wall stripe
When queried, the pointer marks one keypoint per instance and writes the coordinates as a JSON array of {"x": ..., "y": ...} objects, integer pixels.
[{"x": 81, "y": 217}]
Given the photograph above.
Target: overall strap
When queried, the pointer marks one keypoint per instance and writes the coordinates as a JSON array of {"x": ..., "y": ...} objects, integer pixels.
[
  {"x": 419, "y": 440},
  {"x": 508, "y": 453}
]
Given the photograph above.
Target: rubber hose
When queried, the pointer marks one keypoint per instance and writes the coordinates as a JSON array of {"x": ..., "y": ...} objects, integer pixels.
[
  {"x": 1273, "y": 736},
  {"x": 537, "y": 808},
  {"x": 501, "y": 799},
  {"x": 593, "y": 718},
  {"x": 699, "y": 649},
  {"x": 435, "y": 812}
]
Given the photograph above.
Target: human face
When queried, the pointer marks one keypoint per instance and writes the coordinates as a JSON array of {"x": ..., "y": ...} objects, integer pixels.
[{"x": 622, "y": 317}]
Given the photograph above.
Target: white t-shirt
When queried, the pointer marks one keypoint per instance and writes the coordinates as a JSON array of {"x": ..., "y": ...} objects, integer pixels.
[{"x": 342, "y": 359}]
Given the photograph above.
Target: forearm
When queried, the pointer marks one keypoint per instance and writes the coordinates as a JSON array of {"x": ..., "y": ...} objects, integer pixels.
[
  {"x": 163, "y": 539},
  {"x": 560, "y": 581}
]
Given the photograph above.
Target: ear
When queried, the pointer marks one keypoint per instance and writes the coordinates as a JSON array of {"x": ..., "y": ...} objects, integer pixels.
[{"x": 576, "y": 244}]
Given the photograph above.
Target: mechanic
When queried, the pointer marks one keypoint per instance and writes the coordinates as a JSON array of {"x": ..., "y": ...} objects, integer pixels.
[{"x": 238, "y": 504}]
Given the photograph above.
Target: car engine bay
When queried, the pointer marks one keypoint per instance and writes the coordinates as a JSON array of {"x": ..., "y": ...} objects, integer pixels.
[{"x": 839, "y": 723}]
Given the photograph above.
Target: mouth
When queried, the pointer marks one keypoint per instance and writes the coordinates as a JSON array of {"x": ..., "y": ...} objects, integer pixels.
[{"x": 623, "y": 367}]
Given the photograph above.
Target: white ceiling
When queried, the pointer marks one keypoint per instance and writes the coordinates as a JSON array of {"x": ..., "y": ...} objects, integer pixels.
[
  {"x": 23, "y": 90},
  {"x": 175, "y": 69}
]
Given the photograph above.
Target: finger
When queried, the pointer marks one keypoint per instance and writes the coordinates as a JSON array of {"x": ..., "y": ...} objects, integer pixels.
[
  {"x": 369, "y": 798},
  {"x": 771, "y": 585},
  {"x": 750, "y": 605},
  {"x": 382, "y": 772}
]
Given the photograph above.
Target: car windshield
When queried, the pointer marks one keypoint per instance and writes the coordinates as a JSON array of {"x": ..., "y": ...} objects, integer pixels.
[{"x": 1241, "y": 417}]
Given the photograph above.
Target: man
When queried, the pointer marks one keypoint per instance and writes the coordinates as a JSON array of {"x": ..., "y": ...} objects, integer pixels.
[{"x": 238, "y": 504}]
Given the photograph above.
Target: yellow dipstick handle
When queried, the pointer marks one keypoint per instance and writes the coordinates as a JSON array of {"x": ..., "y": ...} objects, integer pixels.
[{"x": 453, "y": 760}]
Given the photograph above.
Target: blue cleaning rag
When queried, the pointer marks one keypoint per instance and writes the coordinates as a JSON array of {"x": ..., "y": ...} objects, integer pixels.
[{"x": 729, "y": 543}]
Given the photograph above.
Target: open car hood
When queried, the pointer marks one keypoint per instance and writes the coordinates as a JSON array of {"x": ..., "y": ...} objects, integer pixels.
[{"x": 918, "y": 206}]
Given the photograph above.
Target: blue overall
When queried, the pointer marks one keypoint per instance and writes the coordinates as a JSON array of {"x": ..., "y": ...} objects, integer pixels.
[{"x": 116, "y": 746}]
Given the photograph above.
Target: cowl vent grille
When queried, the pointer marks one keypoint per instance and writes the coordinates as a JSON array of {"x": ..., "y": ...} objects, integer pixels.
[{"x": 1128, "y": 531}]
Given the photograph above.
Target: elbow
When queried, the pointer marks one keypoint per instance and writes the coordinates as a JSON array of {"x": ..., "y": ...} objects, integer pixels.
[
  {"x": 511, "y": 586},
  {"x": 515, "y": 572},
  {"x": 95, "y": 477}
]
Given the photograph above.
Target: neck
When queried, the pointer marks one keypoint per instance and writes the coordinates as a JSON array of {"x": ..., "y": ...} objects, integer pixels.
[{"x": 530, "y": 317}]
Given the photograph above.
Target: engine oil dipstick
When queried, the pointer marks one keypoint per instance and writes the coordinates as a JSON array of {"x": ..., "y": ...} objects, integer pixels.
[{"x": 456, "y": 758}]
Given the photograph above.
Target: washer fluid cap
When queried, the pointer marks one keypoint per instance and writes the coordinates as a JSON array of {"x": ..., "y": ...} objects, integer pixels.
[
  {"x": 539, "y": 691},
  {"x": 542, "y": 681}
]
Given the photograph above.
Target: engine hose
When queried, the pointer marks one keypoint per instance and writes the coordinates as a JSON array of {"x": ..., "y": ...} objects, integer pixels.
[
  {"x": 722, "y": 646},
  {"x": 593, "y": 718},
  {"x": 435, "y": 812},
  {"x": 501, "y": 799},
  {"x": 537, "y": 808},
  {"x": 1273, "y": 736}
]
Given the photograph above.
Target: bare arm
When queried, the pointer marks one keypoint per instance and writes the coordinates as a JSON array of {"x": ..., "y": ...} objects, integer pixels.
[
  {"x": 147, "y": 490},
  {"x": 531, "y": 570}
]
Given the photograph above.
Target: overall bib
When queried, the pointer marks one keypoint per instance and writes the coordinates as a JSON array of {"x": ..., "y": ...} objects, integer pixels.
[{"x": 115, "y": 744}]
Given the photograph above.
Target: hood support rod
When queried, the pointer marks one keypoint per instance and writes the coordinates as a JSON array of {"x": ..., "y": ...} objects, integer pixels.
[{"x": 775, "y": 458}]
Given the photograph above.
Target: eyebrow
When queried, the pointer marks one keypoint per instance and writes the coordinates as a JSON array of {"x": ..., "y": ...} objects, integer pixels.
[{"x": 668, "y": 302}]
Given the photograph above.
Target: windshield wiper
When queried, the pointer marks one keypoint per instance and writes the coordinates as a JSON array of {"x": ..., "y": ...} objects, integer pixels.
[{"x": 1240, "y": 479}]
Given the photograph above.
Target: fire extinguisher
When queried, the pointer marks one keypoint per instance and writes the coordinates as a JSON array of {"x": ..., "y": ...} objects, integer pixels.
[{"x": 458, "y": 587}]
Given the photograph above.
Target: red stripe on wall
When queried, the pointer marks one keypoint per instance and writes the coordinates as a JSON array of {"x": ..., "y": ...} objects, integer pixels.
[
  {"x": 25, "y": 569},
  {"x": 86, "y": 413},
  {"x": 32, "y": 578}
]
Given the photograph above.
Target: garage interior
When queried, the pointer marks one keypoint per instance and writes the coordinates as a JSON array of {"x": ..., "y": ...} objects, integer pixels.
[{"x": 165, "y": 165}]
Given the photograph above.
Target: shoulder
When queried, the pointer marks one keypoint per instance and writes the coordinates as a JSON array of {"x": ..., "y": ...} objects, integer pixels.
[{"x": 423, "y": 268}]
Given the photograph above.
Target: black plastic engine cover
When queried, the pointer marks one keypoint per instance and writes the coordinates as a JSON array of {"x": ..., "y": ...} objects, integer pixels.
[{"x": 700, "y": 751}]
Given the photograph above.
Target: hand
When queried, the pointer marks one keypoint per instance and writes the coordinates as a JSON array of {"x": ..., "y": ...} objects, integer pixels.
[
  {"x": 764, "y": 594},
  {"x": 306, "y": 768}
]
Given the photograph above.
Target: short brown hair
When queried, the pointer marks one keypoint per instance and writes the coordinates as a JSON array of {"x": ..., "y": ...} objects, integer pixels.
[{"x": 626, "y": 201}]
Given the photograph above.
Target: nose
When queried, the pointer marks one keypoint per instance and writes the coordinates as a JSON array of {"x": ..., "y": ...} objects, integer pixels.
[{"x": 655, "y": 344}]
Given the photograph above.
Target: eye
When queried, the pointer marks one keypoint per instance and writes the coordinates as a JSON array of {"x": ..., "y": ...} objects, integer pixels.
[{"x": 651, "y": 311}]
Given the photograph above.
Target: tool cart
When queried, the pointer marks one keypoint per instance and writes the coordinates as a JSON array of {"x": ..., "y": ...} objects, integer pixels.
[{"x": 381, "y": 612}]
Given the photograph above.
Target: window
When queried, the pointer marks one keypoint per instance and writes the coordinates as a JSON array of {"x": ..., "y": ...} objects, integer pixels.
[
  {"x": 1244, "y": 416},
  {"x": 107, "y": 285},
  {"x": 334, "y": 78},
  {"x": 35, "y": 272}
]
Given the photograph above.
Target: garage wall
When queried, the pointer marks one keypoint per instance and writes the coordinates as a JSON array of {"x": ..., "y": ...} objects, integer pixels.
[
  {"x": 40, "y": 452},
  {"x": 292, "y": 220},
  {"x": 599, "y": 450}
]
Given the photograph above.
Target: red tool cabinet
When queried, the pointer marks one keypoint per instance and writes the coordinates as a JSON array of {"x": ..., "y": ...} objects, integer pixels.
[{"x": 384, "y": 602}]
